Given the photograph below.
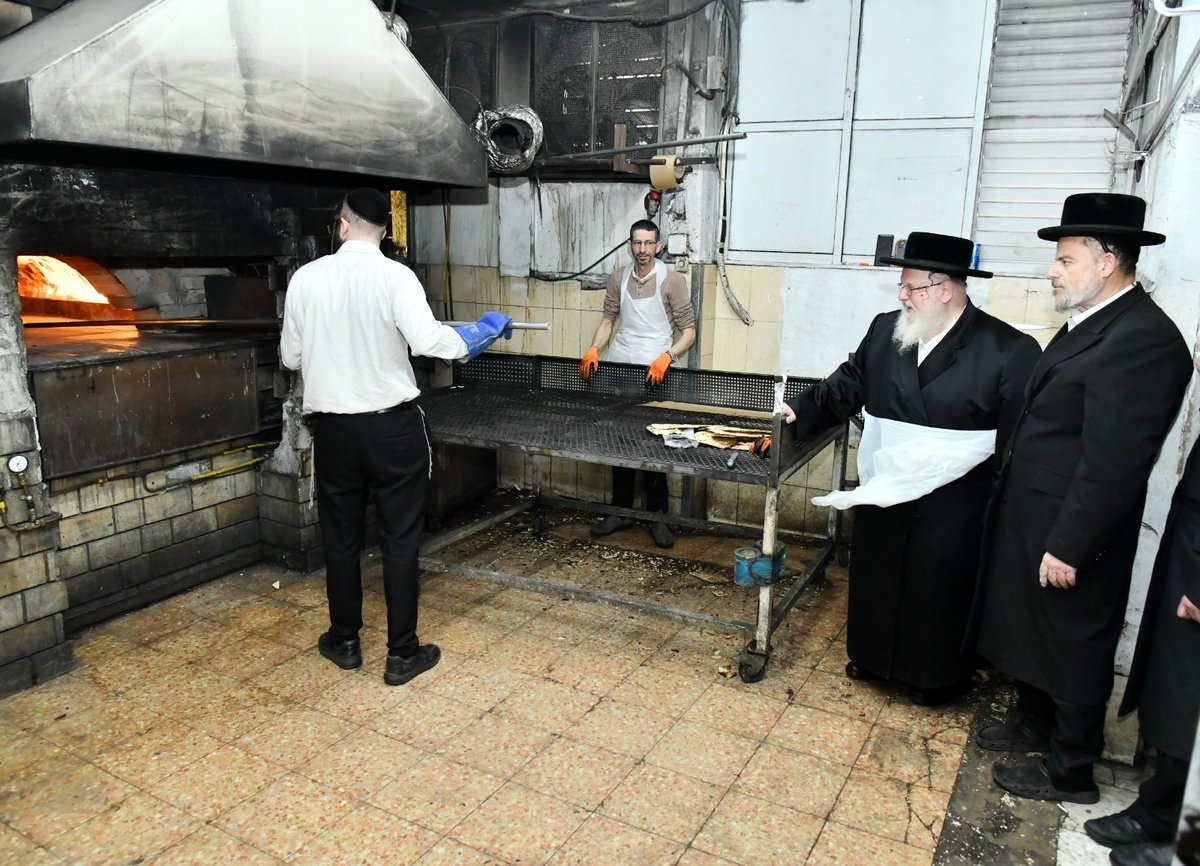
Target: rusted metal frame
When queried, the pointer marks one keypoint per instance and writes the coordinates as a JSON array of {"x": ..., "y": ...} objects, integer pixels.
[
  {"x": 578, "y": 593},
  {"x": 455, "y": 535}
]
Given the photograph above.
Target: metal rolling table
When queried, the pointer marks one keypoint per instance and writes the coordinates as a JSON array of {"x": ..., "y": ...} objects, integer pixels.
[{"x": 539, "y": 405}]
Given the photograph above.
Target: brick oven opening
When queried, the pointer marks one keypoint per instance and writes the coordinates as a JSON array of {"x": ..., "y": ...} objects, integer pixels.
[{"x": 69, "y": 289}]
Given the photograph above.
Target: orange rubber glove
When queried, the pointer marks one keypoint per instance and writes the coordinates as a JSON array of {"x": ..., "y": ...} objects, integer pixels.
[
  {"x": 658, "y": 369},
  {"x": 761, "y": 446},
  {"x": 590, "y": 363}
]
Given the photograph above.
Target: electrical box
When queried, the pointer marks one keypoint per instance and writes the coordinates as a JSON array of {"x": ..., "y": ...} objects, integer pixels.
[
  {"x": 677, "y": 244},
  {"x": 714, "y": 72}
]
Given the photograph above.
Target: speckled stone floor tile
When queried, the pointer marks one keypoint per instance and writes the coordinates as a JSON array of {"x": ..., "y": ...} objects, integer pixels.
[
  {"x": 791, "y": 779},
  {"x": 131, "y": 831},
  {"x": 425, "y": 720},
  {"x": 436, "y": 793},
  {"x": 820, "y": 734},
  {"x": 361, "y": 763},
  {"x": 496, "y": 745},
  {"x": 842, "y": 846},
  {"x": 216, "y": 783},
  {"x": 662, "y": 802},
  {"x": 737, "y": 710},
  {"x": 286, "y": 814},
  {"x": 604, "y": 842},
  {"x": 755, "y": 832},
  {"x": 620, "y": 727},
  {"x": 553, "y": 732},
  {"x": 520, "y": 825},
  {"x": 661, "y": 690},
  {"x": 703, "y": 753},
  {"x": 57, "y": 794},
  {"x": 366, "y": 837},
  {"x": 295, "y": 736},
  {"x": 208, "y": 846}
]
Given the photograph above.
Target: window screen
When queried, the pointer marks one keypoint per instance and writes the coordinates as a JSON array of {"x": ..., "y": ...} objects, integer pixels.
[
  {"x": 472, "y": 72},
  {"x": 589, "y": 77}
]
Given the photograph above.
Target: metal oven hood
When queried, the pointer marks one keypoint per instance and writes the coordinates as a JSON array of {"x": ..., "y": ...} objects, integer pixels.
[{"x": 310, "y": 84}]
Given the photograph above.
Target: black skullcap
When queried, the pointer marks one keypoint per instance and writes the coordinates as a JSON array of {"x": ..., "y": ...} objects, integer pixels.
[{"x": 370, "y": 204}]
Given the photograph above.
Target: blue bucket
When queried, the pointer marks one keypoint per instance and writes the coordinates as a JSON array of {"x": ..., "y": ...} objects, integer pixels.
[{"x": 751, "y": 567}]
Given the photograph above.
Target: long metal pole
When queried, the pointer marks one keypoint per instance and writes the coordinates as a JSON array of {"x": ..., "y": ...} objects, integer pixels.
[{"x": 636, "y": 147}]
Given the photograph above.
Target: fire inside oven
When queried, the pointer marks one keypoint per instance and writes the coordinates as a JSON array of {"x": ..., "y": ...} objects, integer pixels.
[{"x": 115, "y": 382}]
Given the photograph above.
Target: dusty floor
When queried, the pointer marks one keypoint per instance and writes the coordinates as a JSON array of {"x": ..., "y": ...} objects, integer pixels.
[{"x": 206, "y": 729}]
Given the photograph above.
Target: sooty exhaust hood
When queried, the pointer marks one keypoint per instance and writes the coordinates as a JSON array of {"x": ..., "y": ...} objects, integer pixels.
[{"x": 309, "y": 84}]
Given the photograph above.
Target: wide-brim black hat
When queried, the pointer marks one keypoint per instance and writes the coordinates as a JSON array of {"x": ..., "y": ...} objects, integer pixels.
[
  {"x": 1103, "y": 215},
  {"x": 943, "y": 254}
]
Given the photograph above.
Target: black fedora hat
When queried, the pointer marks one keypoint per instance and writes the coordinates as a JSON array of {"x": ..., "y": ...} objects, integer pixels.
[
  {"x": 1103, "y": 215},
  {"x": 943, "y": 254}
]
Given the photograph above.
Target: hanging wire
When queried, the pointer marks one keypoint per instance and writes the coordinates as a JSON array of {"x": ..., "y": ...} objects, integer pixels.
[{"x": 548, "y": 279}]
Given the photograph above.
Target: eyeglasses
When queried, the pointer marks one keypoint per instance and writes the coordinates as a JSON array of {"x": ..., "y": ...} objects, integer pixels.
[
  {"x": 636, "y": 244},
  {"x": 909, "y": 291}
]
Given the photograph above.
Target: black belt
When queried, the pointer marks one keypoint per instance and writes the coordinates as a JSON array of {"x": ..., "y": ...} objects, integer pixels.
[{"x": 399, "y": 407}]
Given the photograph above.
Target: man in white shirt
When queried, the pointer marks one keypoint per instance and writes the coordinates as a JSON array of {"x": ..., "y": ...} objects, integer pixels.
[
  {"x": 1064, "y": 522},
  {"x": 350, "y": 320},
  {"x": 937, "y": 371}
]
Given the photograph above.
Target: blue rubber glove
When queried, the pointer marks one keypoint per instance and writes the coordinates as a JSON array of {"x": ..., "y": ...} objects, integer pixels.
[{"x": 489, "y": 328}]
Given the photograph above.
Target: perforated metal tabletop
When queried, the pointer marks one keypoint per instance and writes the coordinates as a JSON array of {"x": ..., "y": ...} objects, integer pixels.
[{"x": 539, "y": 404}]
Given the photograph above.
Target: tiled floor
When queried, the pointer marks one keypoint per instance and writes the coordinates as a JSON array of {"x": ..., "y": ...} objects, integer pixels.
[{"x": 206, "y": 729}]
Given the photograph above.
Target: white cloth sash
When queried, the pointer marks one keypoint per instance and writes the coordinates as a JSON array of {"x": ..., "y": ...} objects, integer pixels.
[{"x": 900, "y": 462}]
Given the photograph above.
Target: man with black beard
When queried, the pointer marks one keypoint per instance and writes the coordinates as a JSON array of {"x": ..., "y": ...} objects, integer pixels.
[{"x": 939, "y": 383}]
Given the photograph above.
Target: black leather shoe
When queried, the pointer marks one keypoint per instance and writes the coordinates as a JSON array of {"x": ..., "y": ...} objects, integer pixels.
[
  {"x": 1119, "y": 829},
  {"x": 856, "y": 673},
  {"x": 346, "y": 654},
  {"x": 1033, "y": 782},
  {"x": 661, "y": 534},
  {"x": 609, "y": 525},
  {"x": 1143, "y": 854},
  {"x": 1012, "y": 737},
  {"x": 937, "y": 697},
  {"x": 401, "y": 669}
]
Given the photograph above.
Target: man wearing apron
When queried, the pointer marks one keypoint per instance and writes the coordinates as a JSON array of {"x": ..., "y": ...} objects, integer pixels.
[{"x": 652, "y": 304}]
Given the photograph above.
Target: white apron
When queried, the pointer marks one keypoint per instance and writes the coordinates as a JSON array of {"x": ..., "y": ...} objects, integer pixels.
[
  {"x": 900, "y": 462},
  {"x": 645, "y": 331}
]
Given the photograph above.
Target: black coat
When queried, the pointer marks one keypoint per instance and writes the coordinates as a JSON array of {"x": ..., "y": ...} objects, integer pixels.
[
  {"x": 913, "y": 564},
  {"x": 1073, "y": 483},
  {"x": 1164, "y": 680}
]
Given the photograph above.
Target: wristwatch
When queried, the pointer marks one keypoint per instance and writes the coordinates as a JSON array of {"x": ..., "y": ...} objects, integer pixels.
[{"x": 672, "y": 356}]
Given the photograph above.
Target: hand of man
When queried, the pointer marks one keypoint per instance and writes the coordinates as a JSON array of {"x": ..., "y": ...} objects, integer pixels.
[
  {"x": 789, "y": 414},
  {"x": 490, "y": 327},
  {"x": 658, "y": 369},
  {"x": 1056, "y": 573},
  {"x": 590, "y": 363},
  {"x": 1187, "y": 610}
]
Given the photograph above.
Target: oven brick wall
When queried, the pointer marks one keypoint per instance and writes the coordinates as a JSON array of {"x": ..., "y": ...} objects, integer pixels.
[{"x": 128, "y": 541}]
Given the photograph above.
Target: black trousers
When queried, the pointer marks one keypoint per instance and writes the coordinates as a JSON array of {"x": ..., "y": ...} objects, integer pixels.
[
  {"x": 1160, "y": 798},
  {"x": 1076, "y": 734},
  {"x": 654, "y": 486},
  {"x": 385, "y": 458}
]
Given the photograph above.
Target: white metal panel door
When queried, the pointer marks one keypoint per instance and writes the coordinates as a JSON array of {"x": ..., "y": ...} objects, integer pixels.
[{"x": 1058, "y": 64}]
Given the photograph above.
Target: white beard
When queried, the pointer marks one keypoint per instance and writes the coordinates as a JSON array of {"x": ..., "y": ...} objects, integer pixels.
[{"x": 918, "y": 326}]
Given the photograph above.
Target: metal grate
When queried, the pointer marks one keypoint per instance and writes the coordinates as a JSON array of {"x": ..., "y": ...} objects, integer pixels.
[
  {"x": 538, "y": 404},
  {"x": 749, "y": 391}
]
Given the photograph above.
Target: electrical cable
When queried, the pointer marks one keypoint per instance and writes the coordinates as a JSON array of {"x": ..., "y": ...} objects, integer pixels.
[{"x": 549, "y": 279}]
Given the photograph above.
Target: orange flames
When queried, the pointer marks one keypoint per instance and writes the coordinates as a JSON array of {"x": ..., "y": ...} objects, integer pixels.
[{"x": 52, "y": 287}]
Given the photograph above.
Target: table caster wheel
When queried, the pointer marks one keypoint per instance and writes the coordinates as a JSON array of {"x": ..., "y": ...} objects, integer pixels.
[{"x": 753, "y": 672}]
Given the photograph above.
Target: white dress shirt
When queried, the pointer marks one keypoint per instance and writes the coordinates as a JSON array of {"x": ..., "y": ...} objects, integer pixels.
[
  {"x": 923, "y": 349},
  {"x": 1083, "y": 314},
  {"x": 349, "y": 321}
]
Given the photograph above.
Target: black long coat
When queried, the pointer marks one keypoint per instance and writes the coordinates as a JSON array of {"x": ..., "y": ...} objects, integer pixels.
[
  {"x": 1164, "y": 680},
  {"x": 913, "y": 564},
  {"x": 1073, "y": 483}
]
